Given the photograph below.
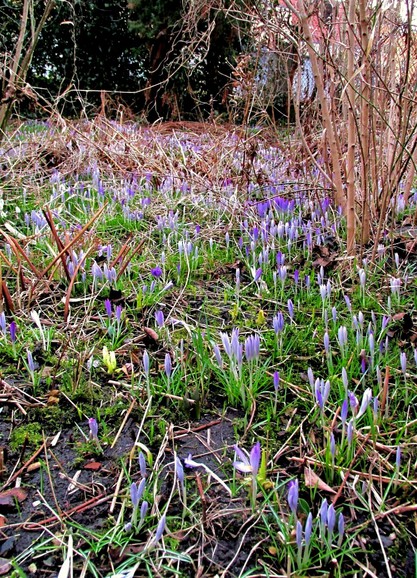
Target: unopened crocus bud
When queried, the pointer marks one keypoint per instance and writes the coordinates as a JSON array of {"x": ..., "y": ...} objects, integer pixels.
[
  {"x": 92, "y": 423},
  {"x": 159, "y": 318},
  {"x": 350, "y": 430},
  {"x": 31, "y": 363},
  {"x": 179, "y": 469},
  {"x": 108, "y": 307},
  {"x": 332, "y": 445},
  {"x": 142, "y": 464},
  {"x": 13, "y": 331},
  {"x": 366, "y": 400},
  {"x": 326, "y": 341},
  {"x": 323, "y": 513},
  {"x": 160, "y": 529},
  {"x": 308, "y": 529},
  {"x": 340, "y": 529},
  {"x": 293, "y": 495},
  {"x": 403, "y": 361},
  {"x": 344, "y": 411},
  {"x": 145, "y": 361},
  {"x": 398, "y": 458},
  {"x": 276, "y": 380},
  {"x": 331, "y": 519},
  {"x": 218, "y": 356},
  {"x": 143, "y": 510},
  {"x": 299, "y": 534}
]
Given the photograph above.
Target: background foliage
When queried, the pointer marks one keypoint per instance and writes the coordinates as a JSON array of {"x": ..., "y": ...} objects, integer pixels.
[{"x": 133, "y": 52}]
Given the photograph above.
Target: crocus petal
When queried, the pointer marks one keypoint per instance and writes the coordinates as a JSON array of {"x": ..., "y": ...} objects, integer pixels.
[
  {"x": 255, "y": 458},
  {"x": 242, "y": 467}
]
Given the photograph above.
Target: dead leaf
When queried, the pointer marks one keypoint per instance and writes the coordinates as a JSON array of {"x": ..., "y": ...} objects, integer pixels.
[
  {"x": 151, "y": 333},
  {"x": 94, "y": 466},
  {"x": 8, "y": 497},
  {"x": 5, "y": 566},
  {"x": 312, "y": 480},
  {"x": 128, "y": 369},
  {"x": 3, "y": 521}
]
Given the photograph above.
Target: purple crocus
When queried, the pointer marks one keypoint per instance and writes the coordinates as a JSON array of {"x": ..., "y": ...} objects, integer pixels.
[
  {"x": 298, "y": 534},
  {"x": 142, "y": 464},
  {"x": 340, "y": 529},
  {"x": 290, "y": 306},
  {"x": 108, "y": 307},
  {"x": 31, "y": 363},
  {"x": 118, "y": 313},
  {"x": 92, "y": 424},
  {"x": 13, "y": 330},
  {"x": 3, "y": 322},
  {"x": 331, "y": 520},
  {"x": 308, "y": 529},
  {"x": 218, "y": 356},
  {"x": 276, "y": 380},
  {"x": 143, "y": 509},
  {"x": 258, "y": 274},
  {"x": 344, "y": 411},
  {"x": 159, "y": 318},
  {"x": 398, "y": 457},
  {"x": 252, "y": 345},
  {"x": 403, "y": 362},
  {"x": 168, "y": 365},
  {"x": 160, "y": 529},
  {"x": 278, "y": 323},
  {"x": 156, "y": 272},
  {"x": 323, "y": 514},
  {"x": 248, "y": 464},
  {"x": 145, "y": 361},
  {"x": 366, "y": 400},
  {"x": 293, "y": 495}
]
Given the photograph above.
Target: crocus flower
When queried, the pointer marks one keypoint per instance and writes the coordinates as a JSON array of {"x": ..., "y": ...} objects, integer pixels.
[
  {"x": 226, "y": 343},
  {"x": 344, "y": 411},
  {"x": 258, "y": 274},
  {"x": 159, "y": 317},
  {"x": 278, "y": 323},
  {"x": 290, "y": 306},
  {"x": 145, "y": 361},
  {"x": 218, "y": 356},
  {"x": 156, "y": 272},
  {"x": 298, "y": 534},
  {"x": 118, "y": 313},
  {"x": 3, "y": 322},
  {"x": 92, "y": 423},
  {"x": 179, "y": 471},
  {"x": 142, "y": 464},
  {"x": 168, "y": 365},
  {"x": 31, "y": 363},
  {"x": 143, "y": 510},
  {"x": 398, "y": 458},
  {"x": 160, "y": 529},
  {"x": 108, "y": 307},
  {"x": 331, "y": 520},
  {"x": 252, "y": 345},
  {"x": 13, "y": 330},
  {"x": 248, "y": 464},
  {"x": 366, "y": 400},
  {"x": 350, "y": 430},
  {"x": 403, "y": 361},
  {"x": 340, "y": 529},
  {"x": 276, "y": 380},
  {"x": 323, "y": 514},
  {"x": 308, "y": 528},
  {"x": 293, "y": 495}
]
